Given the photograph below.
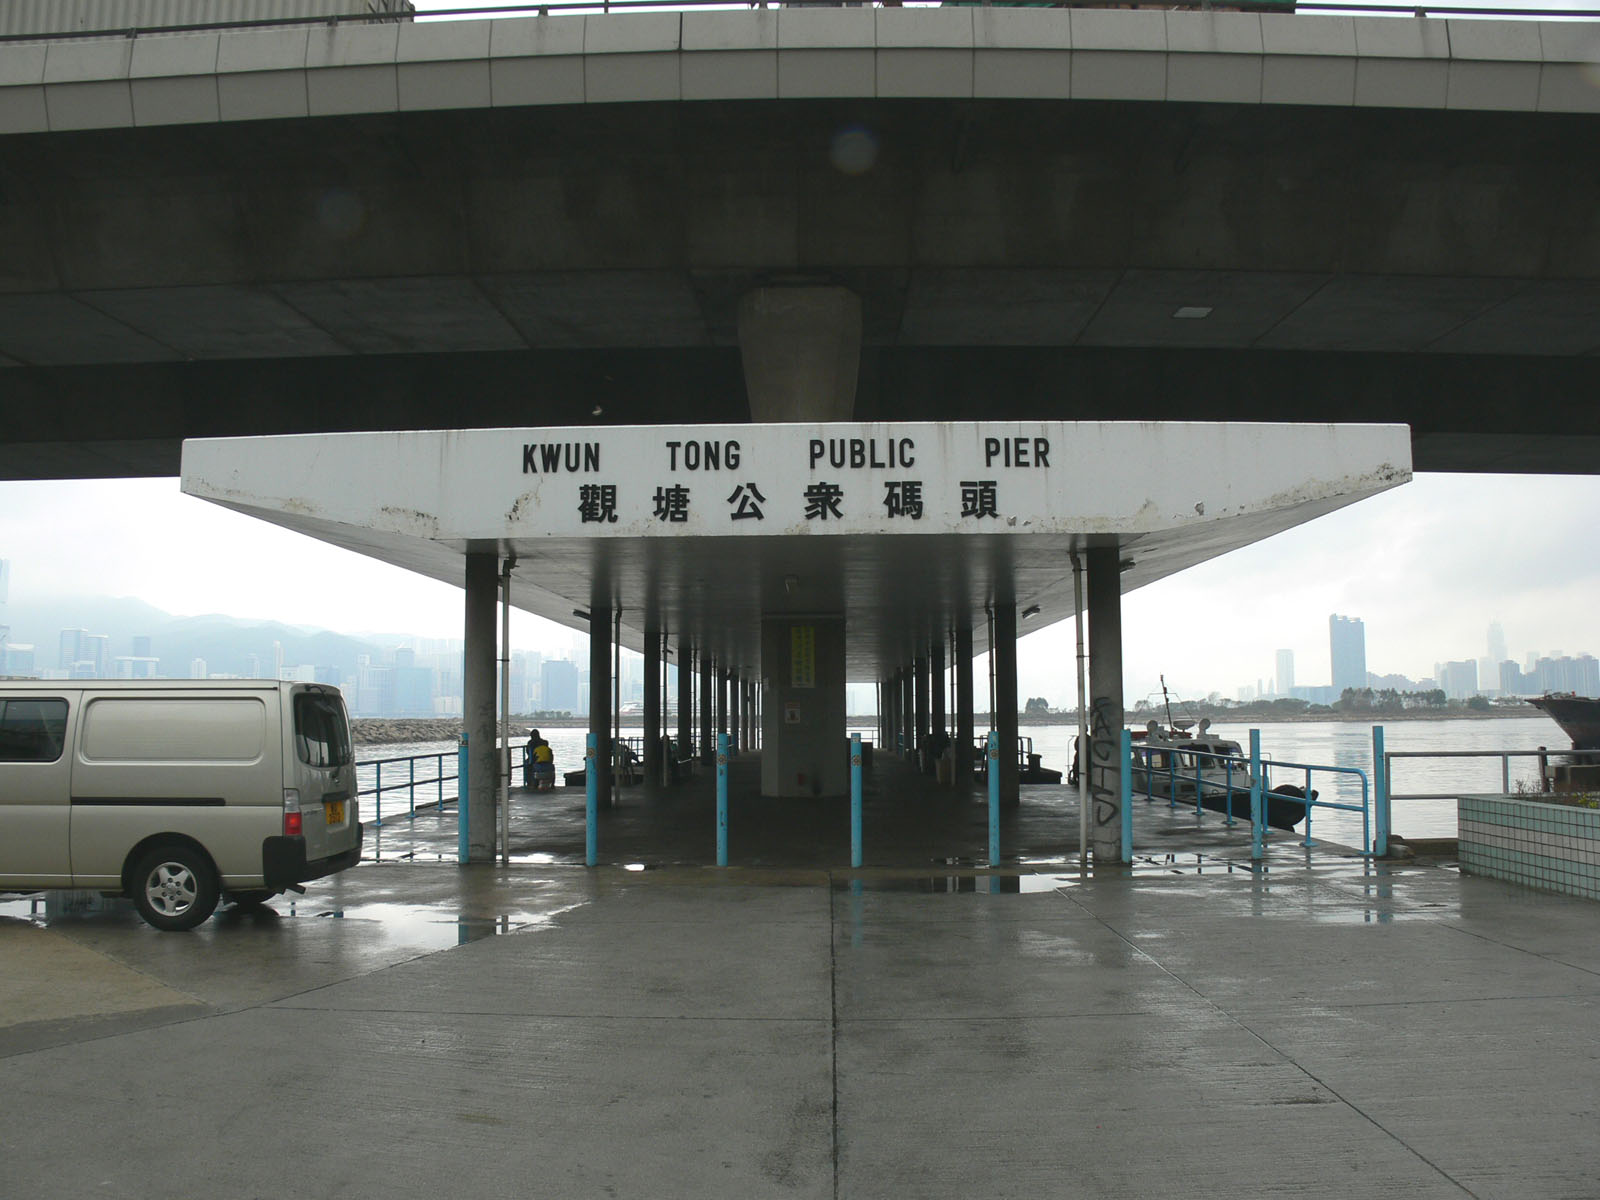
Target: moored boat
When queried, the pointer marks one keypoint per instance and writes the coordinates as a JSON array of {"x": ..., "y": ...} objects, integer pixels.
[
  {"x": 1578, "y": 716},
  {"x": 1172, "y": 763}
]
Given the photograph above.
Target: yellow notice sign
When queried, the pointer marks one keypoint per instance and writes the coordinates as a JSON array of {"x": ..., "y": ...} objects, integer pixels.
[{"x": 803, "y": 656}]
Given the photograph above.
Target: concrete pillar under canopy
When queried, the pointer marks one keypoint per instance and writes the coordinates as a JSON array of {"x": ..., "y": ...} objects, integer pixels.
[
  {"x": 801, "y": 348},
  {"x": 685, "y": 700},
  {"x": 908, "y": 714},
  {"x": 1005, "y": 697},
  {"x": 652, "y": 706},
  {"x": 708, "y": 741},
  {"x": 920, "y": 684},
  {"x": 936, "y": 685},
  {"x": 964, "y": 731},
  {"x": 478, "y": 703},
  {"x": 735, "y": 711},
  {"x": 1104, "y": 601},
  {"x": 600, "y": 698},
  {"x": 803, "y": 724}
]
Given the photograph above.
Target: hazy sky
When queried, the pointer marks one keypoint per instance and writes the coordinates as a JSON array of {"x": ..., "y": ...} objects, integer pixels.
[{"x": 1427, "y": 566}]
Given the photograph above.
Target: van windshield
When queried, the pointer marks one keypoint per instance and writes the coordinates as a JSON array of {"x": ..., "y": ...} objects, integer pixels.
[{"x": 321, "y": 733}]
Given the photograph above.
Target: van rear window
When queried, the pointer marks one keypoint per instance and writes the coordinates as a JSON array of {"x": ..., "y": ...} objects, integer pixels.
[
  {"x": 32, "y": 730},
  {"x": 321, "y": 733}
]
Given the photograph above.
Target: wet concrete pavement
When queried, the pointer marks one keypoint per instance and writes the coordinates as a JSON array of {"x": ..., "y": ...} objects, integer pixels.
[{"x": 1325, "y": 1027}]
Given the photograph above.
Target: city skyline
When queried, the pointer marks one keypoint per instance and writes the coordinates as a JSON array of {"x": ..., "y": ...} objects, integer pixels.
[{"x": 1426, "y": 567}]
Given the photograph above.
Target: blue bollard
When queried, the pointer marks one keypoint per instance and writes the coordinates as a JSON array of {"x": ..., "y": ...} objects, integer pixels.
[
  {"x": 463, "y": 841},
  {"x": 1380, "y": 795},
  {"x": 1256, "y": 830},
  {"x": 994, "y": 798},
  {"x": 591, "y": 803},
  {"x": 722, "y": 799},
  {"x": 855, "y": 799},
  {"x": 1126, "y": 798}
]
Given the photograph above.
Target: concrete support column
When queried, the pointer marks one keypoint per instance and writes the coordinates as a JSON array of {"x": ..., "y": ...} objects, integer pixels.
[
  {"x": 652, "y": 707},
  {"x": 801, "y": 348},
  {"x": 600, "y": 696},
  {"x": 919, "y": 669},
  {"x": 936, "y": 684},
  {"x": 722, "y": 701},
  {"x": 735, "y": 711},
  {"x": 478, "y": 703},
  {"x": 685, "y": 700},
  {"x": 803, "y": 727},
  {"x": 708, "y": 740},
  {"x": 1005, "y": 697},
  {"x": 1104, "y": 598},
  {"x": 964, "y": 731},
  {"x": 908, "y": 713}
]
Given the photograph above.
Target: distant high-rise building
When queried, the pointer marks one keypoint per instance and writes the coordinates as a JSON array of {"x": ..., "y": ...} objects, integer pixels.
[
  {"x": 1497, "y": 643},
  {"x": 559, "y": 686},
  {"x": 97, "y": 652},
  {"x": 1285, "y": 662},
  {"x": 71, "y": 648},
  {"x": 1347, "y": 652},
  {"x": 197, "y": 668},
  {"x": 141, "y": 647},
  {"x": 5, "y": 579},
  {"x": 1459, "y": 679}
]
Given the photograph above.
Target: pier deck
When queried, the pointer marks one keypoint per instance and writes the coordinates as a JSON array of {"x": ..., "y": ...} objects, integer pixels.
[{"x": 1325, "y": 1027}]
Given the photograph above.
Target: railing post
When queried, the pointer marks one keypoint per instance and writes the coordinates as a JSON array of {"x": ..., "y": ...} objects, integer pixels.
[
  {"x": 411, "y": 789},
  {"x": 722, "y": 799},
  {"x": 1227, "y": 784},
  {"x": 855, "y": 799},
  {"x": 438, "y": 771},
  {"x": 377, "y": 798},
  {"x": 463, "y": 842},
  {"x": 591, "y": 802},
  {"x": 1308, "y": 843},
  {"x": 994, "y": 798},
  {"x": 1126, "y": 750},
  {"x": 1380, "y": 795},
  {"x": 1256, "y": 832}
]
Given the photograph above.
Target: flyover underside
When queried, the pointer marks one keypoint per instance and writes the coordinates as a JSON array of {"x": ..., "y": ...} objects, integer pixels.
[
  {"x": 1466, "y": 412},
  {"x": 1019, "y": 259}
]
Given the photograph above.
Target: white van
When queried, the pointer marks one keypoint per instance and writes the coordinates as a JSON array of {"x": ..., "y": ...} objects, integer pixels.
[{"x": 174, "y": 793}]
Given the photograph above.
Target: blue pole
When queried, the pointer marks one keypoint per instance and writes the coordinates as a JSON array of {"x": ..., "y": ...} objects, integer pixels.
[
  {"x": 1256, "y": 849},
  {"x": 855, "y": 799},
  {"x": 591, "y": 802},
  {"x": 722, "y": 799},
  {"x": 1126, "y": 798},
  {"x": 994, "y": 798},
  {"x": 463, "y": 842},
  {"x": 1380, "y": 795}
]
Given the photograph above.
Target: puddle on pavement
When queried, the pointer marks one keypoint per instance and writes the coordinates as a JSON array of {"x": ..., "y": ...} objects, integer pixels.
[
  {"x": 934, "y": 885},
  {"x": 431, "y": 927}
]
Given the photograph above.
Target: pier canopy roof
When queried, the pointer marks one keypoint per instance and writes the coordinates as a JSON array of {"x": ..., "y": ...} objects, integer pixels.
[{"x": 906, "y": 530}]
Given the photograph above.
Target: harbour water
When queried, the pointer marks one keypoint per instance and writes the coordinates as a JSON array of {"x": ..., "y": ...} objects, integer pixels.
[{"x": 1320, "y": 743}]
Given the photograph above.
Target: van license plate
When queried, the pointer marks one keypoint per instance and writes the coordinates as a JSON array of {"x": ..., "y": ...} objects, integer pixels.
[{"x": 333, "y": 812}]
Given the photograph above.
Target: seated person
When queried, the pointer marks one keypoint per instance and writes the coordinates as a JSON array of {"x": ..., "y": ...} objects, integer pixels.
[{"x": 543, "y": 769}]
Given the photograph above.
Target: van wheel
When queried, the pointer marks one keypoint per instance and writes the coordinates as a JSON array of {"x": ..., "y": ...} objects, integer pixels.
[{"x": 174, "y": 888}]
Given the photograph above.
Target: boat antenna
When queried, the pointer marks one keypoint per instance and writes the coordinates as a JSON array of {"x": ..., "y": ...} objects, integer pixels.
[{"x": 1166, "y": 700}]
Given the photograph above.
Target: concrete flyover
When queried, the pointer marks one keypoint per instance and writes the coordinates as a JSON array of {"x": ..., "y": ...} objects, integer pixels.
[{"x": 1036, "y": 215}]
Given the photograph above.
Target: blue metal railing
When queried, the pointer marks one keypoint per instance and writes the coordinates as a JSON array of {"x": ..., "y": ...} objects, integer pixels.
[
  {"x": 1199, "y": 770},
  {"x": 406, "y": 766}
]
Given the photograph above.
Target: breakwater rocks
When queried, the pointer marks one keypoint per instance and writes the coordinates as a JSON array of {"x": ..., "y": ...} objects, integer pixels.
[{"x": 386, "y": 731}]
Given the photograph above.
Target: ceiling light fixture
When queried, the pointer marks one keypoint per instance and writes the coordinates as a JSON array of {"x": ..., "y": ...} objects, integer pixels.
[
  {"x": 580, "y": 614},
  {"x": 1031, "y": 611},
  {"x": 1192, "y": 312}
]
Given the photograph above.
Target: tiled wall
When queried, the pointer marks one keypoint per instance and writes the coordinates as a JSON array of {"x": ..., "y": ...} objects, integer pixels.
[{"x": 1548, "y": 846}]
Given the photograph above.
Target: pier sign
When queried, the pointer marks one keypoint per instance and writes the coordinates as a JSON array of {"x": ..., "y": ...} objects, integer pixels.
[{"x": 983, "y": 478}]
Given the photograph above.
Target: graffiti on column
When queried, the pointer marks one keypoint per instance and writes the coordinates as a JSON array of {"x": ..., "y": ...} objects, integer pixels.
[{"x": 1105, "y": 784}]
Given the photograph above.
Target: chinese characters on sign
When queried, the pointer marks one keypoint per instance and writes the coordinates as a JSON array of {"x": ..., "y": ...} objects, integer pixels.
[
  {"x": 818, "y": 500},
  {"x": 802, "y": 656}
]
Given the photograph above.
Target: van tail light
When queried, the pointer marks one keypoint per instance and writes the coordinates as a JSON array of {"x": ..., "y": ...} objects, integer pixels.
[{"x": 291, "y": 812}]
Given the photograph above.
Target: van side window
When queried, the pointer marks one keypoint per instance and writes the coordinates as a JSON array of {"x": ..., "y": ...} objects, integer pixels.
[
  {"x": 32, "y": 730},
  {"x": 321, "y": 735}
]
